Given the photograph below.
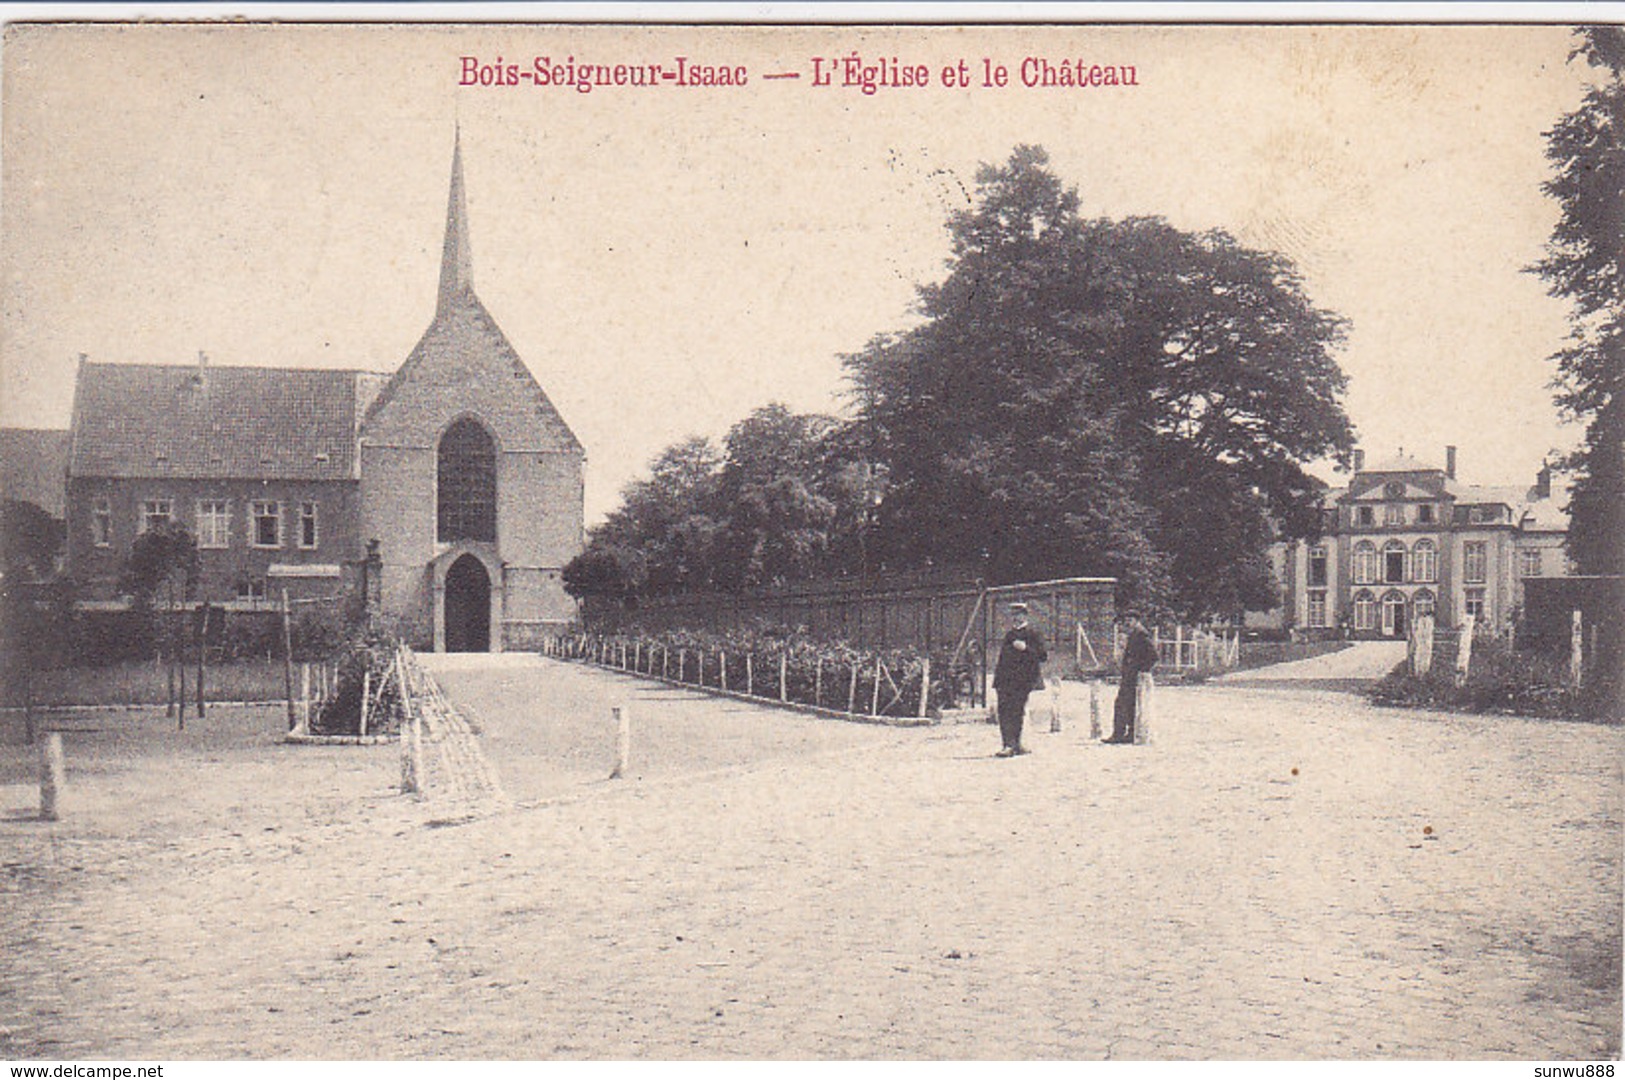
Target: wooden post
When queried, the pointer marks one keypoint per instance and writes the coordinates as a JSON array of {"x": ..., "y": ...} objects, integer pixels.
[
  {"x": 167, "y": 658},
  {"x": 1179, "y": 645},
  {"x": 852, "y": 691},
  {"x": 411, "y": 749},
  {"x": 818, "y": 682},
  {"x": 366, "y": 699},
  {"x": 52, "y": 776},
  {"x": 1094, "y": 708},
  {"x": 874, "y": 702},
  {"x": 623, "y": 740},
  {"x": 1054, "y": 695},
  {"x": 287, "y": 656},
  {"x": 665, "y": 662},
  {"x": 682, "y": 664},
  {"x": 750, "y": 676},
  {"x": 637, "y": 655},
  {"x": 722, "y": 680},
  {"x": 1422, "y": 648},
  {"x": 1142, "y": 709},
  {"x": 925, "y": 686},
  {"x": 784, "y": 673},
  {"x": 180, "y": 665},
  {"x": 202, "y": 649},
  {"x": 304, "y": 695},
  {"x": 1576, "y": 647},
  {"x": 1464, "y": 650}
]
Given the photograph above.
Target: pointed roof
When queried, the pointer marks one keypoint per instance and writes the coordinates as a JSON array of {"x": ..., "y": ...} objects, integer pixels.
[
  {"x": 456, "y": 259},
  {"x": 464, "y": 359}
]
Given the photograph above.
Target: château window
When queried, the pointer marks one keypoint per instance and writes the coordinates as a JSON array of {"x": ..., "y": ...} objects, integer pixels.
[
  {"x": 1422, "y": 603},
  {"x": 1365, "y": 563},
  {"x": 1317, "y": 568},
  {"x": 307, "y": 525},
  {"x": 1475, "y": 603},
  {"x": 1529, "y": 562},
  {"x": 1393, "y": 562},
  {"x": 101, "y": 523},
  {"x": 213, "y": 523},
  {"x": 1364, "y": 515},
  {"x": 1475, "y": 560},
  {"x": 1317, "y": 607},
  {"x": 1424, "y": 514},
  {"x": 1365, "y": 610},
  {"x": 467, "y": 485},
  {"x": 1425, "y": 561},
  {"x": 1393, "y": 514}
]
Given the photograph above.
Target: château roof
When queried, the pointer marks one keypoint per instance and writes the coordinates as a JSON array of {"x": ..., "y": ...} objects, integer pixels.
[{"x": 198, "y": 421}]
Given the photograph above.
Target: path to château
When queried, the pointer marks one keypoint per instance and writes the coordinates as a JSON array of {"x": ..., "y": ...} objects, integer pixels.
[{"x": 1260, "y": 882}]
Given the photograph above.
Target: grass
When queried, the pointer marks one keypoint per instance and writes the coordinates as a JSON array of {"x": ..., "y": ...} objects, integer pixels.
[
  {"x": 1257, "y": 654},
  {"x": 146, "y": 683}
]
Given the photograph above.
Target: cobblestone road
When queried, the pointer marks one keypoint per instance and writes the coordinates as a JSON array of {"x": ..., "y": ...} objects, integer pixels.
[{"x": 1279, "y": 875}]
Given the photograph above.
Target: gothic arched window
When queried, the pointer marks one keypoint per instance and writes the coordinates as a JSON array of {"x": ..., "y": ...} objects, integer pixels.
[{"x": 467, "y": 485}]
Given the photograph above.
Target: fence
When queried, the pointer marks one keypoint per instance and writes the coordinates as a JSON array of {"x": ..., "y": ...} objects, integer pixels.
[
  {"x": 958, "y": 624},
  {"x": 1188, "y": 648}
]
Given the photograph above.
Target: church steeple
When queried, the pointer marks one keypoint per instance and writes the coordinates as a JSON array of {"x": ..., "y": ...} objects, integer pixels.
[{"x": 456, "y": 261}]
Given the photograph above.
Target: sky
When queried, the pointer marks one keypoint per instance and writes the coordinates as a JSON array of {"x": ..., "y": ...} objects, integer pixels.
[{"x": 667, "y": 259}]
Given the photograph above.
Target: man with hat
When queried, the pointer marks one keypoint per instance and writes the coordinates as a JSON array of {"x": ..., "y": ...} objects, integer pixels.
[
  {"x": 1017, "y": 674},
  {"x": 1139, "y": 657}
]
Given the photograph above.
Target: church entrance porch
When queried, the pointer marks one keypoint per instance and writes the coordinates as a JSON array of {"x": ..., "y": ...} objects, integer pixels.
[
  {"x": 468, "y": 607},
  {"x": 468, "y": 600}
]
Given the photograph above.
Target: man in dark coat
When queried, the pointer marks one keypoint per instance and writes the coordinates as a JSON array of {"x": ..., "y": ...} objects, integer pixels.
[
  {"x": 1139, "y": 657},
  {"x": 1021, "y": 660}
]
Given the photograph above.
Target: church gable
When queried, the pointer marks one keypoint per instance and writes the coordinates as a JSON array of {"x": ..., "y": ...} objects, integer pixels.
[{"x": 464, "y": 364}]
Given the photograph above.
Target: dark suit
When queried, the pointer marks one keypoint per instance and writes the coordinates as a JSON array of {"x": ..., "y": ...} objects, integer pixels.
[
  {"x": 1139, "y": 656},
  {"x": 1014, "y": 677}
]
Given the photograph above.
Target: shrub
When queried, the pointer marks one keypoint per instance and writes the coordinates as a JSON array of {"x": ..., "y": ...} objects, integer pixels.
[
  {"x": 369, "y": 653},
  {"x": 1500, "y": 680}
]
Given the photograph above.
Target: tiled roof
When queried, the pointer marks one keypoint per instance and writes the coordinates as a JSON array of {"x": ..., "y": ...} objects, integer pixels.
[
  {"x": 187, "y": 421},
  {"x": 1402, "y": 463},
  {"x": 33, "y": 467}
]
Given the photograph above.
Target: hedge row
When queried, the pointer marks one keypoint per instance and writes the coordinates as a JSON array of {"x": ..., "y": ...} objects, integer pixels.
[{"x": 775, "y": 665}]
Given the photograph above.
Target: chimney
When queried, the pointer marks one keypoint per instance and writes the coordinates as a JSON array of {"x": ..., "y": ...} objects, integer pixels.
[
  {"x": 1450, "y": 462},
  {"x": 1359, "y": 461},
  {"x": 1543, "y": 482}
]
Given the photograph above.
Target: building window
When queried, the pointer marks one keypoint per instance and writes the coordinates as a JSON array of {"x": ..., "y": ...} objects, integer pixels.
[
  {"x": 1317, "y": 607},
  {"x": 1475, "y": 561},
  {"x": 1424, "y": 514},
  {"x": 1475, "y": 603},
  {"x": 1393, "y": 514},
  {"x": 1317, "y": 568},
  {"x": 1393, "y": 562},
  {"x": 1422, "y": 603},
  {"x": 1529, "y": 562},
  {"x": 213, "y": 523},
  {"x": 307, "y": 525},
  {"x": 467, "y": 483},
  {"x": 1393, "y": 614},
  {"x": 101, "y": 523},
  {"x": 1425, "y": 561},
  {"x": 1365, "y": 611},
  {"x": 251, "y": 589},
  {"x": 155, "y": 512},
  {"x": 1364, "y": 515},
  {"x": 1365, "y": 563},
  {"x": 267, "y": 524}
]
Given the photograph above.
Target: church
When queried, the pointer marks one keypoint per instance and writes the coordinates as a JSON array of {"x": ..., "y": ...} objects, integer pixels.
[{"x": 449, "y": 493}]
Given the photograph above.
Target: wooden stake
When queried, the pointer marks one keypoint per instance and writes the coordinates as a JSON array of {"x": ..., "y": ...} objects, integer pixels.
[
  {"x": 925, "y": 686},
  {"x": 724, "y": 670},
  {"x": 682, "y": 665},
  {"x": 818, "y": 682},
  {"x": 1094, "y": 708},
  {"x": 287, "y": 656},
  {"x": 623, "y": 740},
  {"x": 1142, "y": 709},
  {"x": 750, "y": 676},
  {"x": 852, "y": 691},
  {"x": 52, "y": 776},
  {"x": 1576, "y": 647},
  {"x": 784, "y": 672},
  {"x": 366, "y": 700},
  {"x": 202, "y": 649},
  {"x": 874, "y": 704}
]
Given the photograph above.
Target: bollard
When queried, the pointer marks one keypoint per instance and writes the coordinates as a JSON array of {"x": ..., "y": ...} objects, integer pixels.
[
  {"x": 366, "y": 699},
  {"x": 623, "y": 740},
  {"x": 1142, "y": 709},
  {"x": 1054, "y": 695},
  {"x": 52, "y": 776},
  {"x": 1094, "y": 708}
]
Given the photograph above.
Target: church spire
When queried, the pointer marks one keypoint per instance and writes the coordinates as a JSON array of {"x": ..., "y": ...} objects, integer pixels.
[{"x": 456, "y": 262}]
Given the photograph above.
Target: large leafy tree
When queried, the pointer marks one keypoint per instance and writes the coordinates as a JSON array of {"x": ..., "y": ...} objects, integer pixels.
[
  {"x": 30, "y": 540},
  {"x": 1089, "y": 396},
  {"x": 1585, "y": 264}
]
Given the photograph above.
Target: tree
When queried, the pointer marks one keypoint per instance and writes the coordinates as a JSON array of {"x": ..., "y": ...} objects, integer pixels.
[
  {"x": 662, "y": 537},
  {"x": 1585, "y": 265},
  {"x": 1103, "y": 397},
  {"x": 162, "y": 558},
  {"x": 31, "y": 540}
]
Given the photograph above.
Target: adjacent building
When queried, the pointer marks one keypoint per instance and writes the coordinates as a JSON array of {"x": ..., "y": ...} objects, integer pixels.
[
  {"x": 1407, "y": 538},
  {"x": 453, "y": 483}
]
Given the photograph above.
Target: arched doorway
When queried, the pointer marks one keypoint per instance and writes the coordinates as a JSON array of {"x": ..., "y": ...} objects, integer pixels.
[
  {"x": 1393, "y": 614},
  {"x": 468, "y": 606}
]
